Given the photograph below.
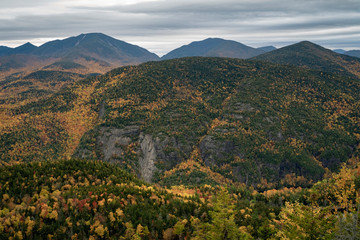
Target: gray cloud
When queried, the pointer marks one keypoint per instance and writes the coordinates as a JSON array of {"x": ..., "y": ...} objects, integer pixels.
[{"x": 161, "y": 25}]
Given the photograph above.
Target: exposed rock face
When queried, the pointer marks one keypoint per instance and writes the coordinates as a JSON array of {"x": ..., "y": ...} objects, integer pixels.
[
  {"x": 111, "y": 140},
  {"x": 151, "y": 151},
  {"x": 102, "y": 110},
  {"x": 148, "y": 158}
]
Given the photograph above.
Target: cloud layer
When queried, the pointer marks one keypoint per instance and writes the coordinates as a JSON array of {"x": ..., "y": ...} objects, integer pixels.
[{"x": 162, "y": 25}]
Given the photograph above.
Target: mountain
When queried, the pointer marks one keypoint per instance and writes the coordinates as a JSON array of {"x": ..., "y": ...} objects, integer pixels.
[
  {"x": 196, "y": 121},
  {"x": 4, "y": 50},
  {"x": 353, "y": 53},
  {"x": 98, "y": 52},
  {"x": 267, "y": 48},
  {"x": 341, "y": 51},
  {"x": 214, "y": 47},
  {"x": 65, "y": 60},
  {"x": 309, "y": 55},
  {"x": 27, "y": 48},
  {"x": 96, "y": 46}
]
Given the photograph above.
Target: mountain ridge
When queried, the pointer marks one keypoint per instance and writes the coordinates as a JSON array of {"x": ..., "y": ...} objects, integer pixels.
[
  {"x": 100, "y": 52},
  {"x": 310, "y": 55},
  {"x": 213, "y": 47},
  {"x": 267, "y": 48},
  {"x": 105, "y": 47}
]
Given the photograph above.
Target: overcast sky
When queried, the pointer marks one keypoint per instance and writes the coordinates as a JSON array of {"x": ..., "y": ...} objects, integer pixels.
[{"x": 162, "y": 25}]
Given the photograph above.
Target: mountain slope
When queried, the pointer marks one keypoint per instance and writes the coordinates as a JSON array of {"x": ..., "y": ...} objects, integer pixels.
[
  {"x": 353, "y": 53},
  {"x": 4, "y": 50},
  {"x": 97, "y": 46},
  {"x": 341, "y": 51},
  {"x": 196, "y": 121},
  {"x": 83, "y": 55},
  {"x": 98, "y": 52},
  {"x": 312, "y": 56},
  {"x": 26, "y": 48},
  {"x": 214, "y": 47}
]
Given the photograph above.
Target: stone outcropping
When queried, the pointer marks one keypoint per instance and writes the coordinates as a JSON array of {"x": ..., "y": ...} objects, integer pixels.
[
  {"x": 147, "y": 158},
  {"x": 111, "y": 141}
]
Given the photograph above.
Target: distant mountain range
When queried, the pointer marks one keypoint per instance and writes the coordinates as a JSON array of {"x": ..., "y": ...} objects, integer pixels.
[
  {"x": 214, "y": 47},
  {"x": 267, "y": 48},
  {"x": 91, "y": 45},
  {"x": 76, "y": 57},
  {"x": 97, "y": 46},
  {"x": 97, "y": 51},
  {"x": 23, "y": 49},
  {"x": 353, "y": 53},
  {"x": 312, "y": 56}
]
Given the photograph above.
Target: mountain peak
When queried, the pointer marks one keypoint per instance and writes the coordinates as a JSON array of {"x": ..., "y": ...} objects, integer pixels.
[
  {"x": 29, "y": 44},
  {"x": 214, "y": 47},
  {"x": 96, "y": 46},
  {"x": 4, "y": 50},
  {"x": 307, "y": 44},
  {"x": 313, "y": 56},
  {"x": 24, "y": 49}
]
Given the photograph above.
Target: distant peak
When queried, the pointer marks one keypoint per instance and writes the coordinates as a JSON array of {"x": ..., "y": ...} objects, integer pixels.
[
  {"x": 307, "y": 43},
  {"x": 214, "y": 39},
  {"x": 28, "y": 44},
  {"x": 91, "y": 34},
  {"x": 267, "y": 48}
]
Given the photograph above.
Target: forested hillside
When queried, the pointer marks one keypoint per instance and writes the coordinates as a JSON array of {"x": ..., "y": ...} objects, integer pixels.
[
  {"x": 197, "y": 121},
  {"x": 312, "y": 56}
]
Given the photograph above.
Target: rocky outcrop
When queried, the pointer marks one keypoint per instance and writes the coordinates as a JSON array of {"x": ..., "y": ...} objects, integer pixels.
[
  {"x": 151, "y": 151},
  {"x": 112, "y": 140},
  {"x": 147, "y": 158}
]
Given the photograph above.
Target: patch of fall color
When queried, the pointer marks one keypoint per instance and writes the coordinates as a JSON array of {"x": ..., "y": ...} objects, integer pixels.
[
  {"x": 195, "y": 164},
  {"x": 190, "y": 165},
  {"x": 102, "y": 201},
  {"x": 79, "y": 119},
  {"x": 293, "y": 180},
  {"x": 286, "y": 192},
  {"x": 7, "y": 121}
]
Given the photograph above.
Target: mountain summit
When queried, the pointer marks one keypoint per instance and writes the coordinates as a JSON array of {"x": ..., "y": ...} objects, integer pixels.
[
  {"x": 26, "y": 48},
  {"x": 98, "y": 46},
  {"x": 214, "y": 47},
  {"x": 97, "y": 51},
  {"x": 310, "y": 55}
]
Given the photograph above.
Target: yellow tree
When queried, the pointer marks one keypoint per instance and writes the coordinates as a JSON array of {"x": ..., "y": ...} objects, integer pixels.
[
  {"x": 222, "y": 225},
  {"x": 298, "y": 221}
]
